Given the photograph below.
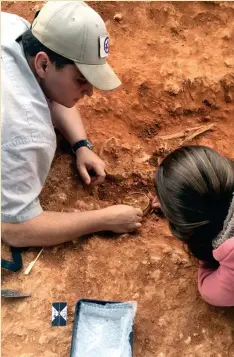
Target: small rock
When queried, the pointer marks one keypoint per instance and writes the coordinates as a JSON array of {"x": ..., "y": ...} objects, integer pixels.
[
  {"x": 36, "y": 8},
  {"x": 155, "y": 258},
  {"x": 229, "y": 62},
  {"x": 195, "y": 334},
  {"x": 118, "y": 17},
  {"x": 188, "y": 340},
  {"x": 136, "y": 296},
  {"x": 150, "y": 43},
  {"x": 228, "y": 98},
  {"x": 43, "y": 339},
  {"x": 163, "y": 321},
  {"x": 199, "y": 347},
  {"x": 176, "y": 108},
  {"x": 81, "y": 205},
  {"x": 55, "y": 249},
  {"x": 135, "y": 105},
  {"x": 50, "y": 354},
  {"x": 62, "y": 197},
  {"x": 181, "y": 335},
  {"x": 156, "y": 275},
  {"x": 175, "y": 259},
  {"x": 172, "y": 88},
  {"x": 226, "y": 37},
  {"x": 167, "y": 250}
]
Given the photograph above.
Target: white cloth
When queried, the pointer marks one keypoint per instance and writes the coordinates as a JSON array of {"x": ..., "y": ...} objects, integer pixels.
[
  {"x": 28, "y": 137},
  {"x": 104, "y": 330}
]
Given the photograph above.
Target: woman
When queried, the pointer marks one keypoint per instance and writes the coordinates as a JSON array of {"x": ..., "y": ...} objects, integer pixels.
[{"x": 195, "y": 186}]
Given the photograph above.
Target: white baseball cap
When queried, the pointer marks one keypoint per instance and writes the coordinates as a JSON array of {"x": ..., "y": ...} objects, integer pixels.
[{"x": 74, "y": 30}]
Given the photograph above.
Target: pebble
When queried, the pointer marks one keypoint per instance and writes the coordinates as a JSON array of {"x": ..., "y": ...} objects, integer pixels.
[
  {"x": 136, "y": 296},
  {"x": 62, "y": 197},
  {"x": 229, "y": 62},
  {"x": 118, "y": 17},
  {"x": 36, "y": 8},
  {"x": 172, "y": 88},
  {"x": 155, "y": 258},
  {"x": 228, "y": 98},
  {"x": 156, "y": 275},
  {"x": 188, "y": 340},
  {"x": 43, "y": 339},
  {"x": 50, "y": 354}
]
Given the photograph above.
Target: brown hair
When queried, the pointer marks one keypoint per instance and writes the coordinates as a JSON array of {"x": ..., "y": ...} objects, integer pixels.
[{"x": 194, "y": 185}]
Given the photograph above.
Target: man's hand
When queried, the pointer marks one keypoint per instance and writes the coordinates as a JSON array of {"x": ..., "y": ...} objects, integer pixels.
[
  {"x": 154, "y": 201},
  {"x": 91, "y": 168},
  {"x": 122, "y": 218}
]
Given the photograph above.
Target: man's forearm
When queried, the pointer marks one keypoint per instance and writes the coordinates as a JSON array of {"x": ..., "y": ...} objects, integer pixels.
[
  {"x": 52, "y": 228},
  {"x": 68, "y": 121}
]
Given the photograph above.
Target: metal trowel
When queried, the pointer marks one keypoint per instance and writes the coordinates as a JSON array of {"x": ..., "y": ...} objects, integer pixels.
[{"x": 9, "y": 293}]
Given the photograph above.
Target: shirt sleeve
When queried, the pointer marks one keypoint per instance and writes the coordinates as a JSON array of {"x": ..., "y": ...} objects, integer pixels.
[
  {"x": 217, "y": 286},
  {"x": 25, "y": 166}
]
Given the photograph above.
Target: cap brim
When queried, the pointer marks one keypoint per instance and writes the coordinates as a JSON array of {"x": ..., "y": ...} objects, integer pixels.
[{"x": 100, "y": 76}]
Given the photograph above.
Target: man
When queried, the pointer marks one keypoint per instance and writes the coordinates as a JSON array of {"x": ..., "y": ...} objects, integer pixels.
[{"x": 45, "y": 71}]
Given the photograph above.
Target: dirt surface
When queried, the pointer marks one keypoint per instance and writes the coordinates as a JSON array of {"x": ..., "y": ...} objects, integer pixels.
[{"x": 176, "y": 62}]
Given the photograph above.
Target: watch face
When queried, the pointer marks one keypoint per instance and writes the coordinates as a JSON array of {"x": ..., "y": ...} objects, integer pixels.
[{"x": 89, "y": 145}]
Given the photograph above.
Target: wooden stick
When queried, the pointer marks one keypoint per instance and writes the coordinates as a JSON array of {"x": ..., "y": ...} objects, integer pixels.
[
  {"x": 29, "y": 268},
  {"x": 198, "y": 132},
  {"x": 180, "y": 134}
]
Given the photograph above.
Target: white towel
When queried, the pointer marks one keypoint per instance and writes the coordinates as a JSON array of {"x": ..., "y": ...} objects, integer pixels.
[{"x": 104, "y": 330}]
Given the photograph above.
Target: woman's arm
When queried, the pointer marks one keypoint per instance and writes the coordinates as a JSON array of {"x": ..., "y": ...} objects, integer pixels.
[{"x": 217, "y": 286}]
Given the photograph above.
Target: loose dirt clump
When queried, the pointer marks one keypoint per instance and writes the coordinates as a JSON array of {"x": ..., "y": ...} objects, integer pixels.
[{"x": 175, "y": 60}]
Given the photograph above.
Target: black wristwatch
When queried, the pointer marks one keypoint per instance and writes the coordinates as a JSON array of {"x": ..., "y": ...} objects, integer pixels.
[{"x": 80, "y": 144}]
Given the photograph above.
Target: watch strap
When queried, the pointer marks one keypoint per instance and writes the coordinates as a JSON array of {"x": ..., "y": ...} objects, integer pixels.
[{"x": 82, "y": 143}]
